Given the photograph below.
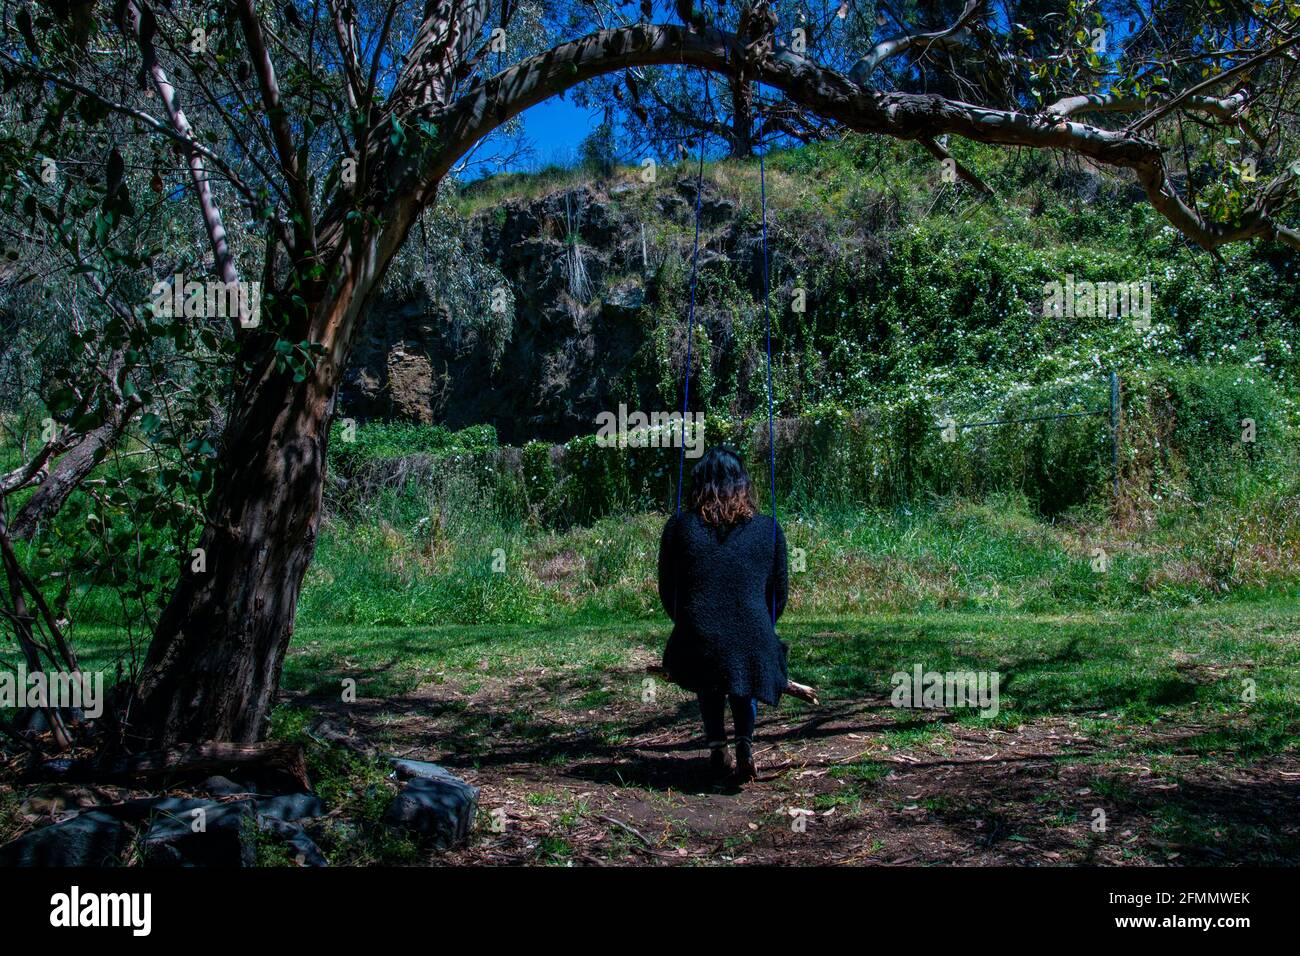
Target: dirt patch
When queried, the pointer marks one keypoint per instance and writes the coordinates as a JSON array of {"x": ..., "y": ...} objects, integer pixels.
[{"x": 579, "y": 770}]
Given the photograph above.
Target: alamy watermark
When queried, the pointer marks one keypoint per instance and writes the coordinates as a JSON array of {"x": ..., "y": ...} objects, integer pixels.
[
  {"x": 932, "y": 690},
  {"x": 208, "y": 299},
  {"x": 624, "y": 429},
  {"x": 1115, "y": 300},
  {"x": 133, "y": 911},
  {"x": 58, "y": 689}
]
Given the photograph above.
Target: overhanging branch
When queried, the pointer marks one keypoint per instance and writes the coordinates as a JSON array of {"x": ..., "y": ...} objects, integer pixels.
[{"x": 906, "y": 116}]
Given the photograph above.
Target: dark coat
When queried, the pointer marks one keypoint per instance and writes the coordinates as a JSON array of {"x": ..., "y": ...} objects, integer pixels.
[{"x": 718, "y": 588}]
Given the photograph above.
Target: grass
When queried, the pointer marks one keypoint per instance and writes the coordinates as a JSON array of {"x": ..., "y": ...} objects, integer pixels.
[
  {"x": 1150, "y": 689},
  {"x": 948, "y": 554},
  {"x": 1140, "y": 714},
  {"x": 1140, "y": 666},
  {"x": 1160, "y": 697},
  {"x": 1134, "y": 669}
]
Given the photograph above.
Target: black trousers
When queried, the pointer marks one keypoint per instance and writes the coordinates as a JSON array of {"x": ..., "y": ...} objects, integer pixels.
[{"x": 744, "y": 712}]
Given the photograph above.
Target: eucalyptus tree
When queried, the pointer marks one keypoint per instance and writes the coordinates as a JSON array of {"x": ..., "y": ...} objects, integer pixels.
[
  {"x": 92, "y": 385},
  {"x": 314, "y": 134}
]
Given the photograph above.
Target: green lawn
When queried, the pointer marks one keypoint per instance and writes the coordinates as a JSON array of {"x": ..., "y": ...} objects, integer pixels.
[
  {"x": 1148, "y": 666},
  {"x": 1180, "y": 724}
]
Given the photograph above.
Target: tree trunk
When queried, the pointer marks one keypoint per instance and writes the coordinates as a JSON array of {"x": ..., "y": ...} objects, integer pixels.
[
  {"x": 742, "y": 118},
  {"x": 213, "y": 668}
]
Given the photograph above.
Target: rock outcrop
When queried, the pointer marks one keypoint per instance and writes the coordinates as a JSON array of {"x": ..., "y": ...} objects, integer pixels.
[{"x": 575, "y": 348}]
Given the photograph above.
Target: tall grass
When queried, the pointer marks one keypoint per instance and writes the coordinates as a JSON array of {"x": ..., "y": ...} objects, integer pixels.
[{"x": 409, "y": 563}]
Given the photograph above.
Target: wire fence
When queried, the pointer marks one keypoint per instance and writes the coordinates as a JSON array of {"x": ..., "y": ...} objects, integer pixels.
[{"x": 1112, "y": 412}]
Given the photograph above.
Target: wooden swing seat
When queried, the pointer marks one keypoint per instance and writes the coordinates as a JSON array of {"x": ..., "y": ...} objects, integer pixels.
[{"x": 793, "y": 688}]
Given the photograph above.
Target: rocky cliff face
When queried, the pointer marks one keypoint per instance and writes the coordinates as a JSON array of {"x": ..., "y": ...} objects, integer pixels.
[{"x": 580, "y": 341}]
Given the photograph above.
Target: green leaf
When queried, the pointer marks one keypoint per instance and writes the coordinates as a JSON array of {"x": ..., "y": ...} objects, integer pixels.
[{"x": 62, "y": 400}]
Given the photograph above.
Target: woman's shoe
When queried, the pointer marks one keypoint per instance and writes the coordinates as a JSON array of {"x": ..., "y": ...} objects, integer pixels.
[
  {"x": 745, "y": 768},
  {"x": 719, "y": 761}
]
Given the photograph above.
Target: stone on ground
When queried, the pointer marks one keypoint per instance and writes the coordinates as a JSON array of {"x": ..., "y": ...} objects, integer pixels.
[
  {"x": 88, "y": 839},
  {"x": 435, "y": 806}
]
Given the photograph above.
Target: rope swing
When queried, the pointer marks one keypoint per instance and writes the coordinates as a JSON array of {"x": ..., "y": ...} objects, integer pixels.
[
  {"x": 767, "y": 321},
  {"x": 690, "y": 341},
  {"x": 794, "y": 689}
]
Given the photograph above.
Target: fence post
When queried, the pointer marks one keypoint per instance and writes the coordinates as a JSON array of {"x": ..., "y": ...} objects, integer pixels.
[{"x": 1114, "y": 431}]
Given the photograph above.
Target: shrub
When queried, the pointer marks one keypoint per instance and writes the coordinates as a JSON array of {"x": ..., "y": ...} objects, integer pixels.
[{"x": 381, "y": 440}]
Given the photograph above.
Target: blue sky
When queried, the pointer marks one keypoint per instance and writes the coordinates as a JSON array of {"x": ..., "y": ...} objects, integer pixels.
[
  {"x": 557, "y": 126},
  {"x": 554, "y": 129}
]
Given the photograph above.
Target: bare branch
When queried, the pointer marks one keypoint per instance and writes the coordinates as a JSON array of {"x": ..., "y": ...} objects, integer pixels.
[
  {"x": 343, "y": 15},
  {"x": 138, "y": 23},
  {"x": 901, "y": 43},
  {"x": 905, "y": 116},
  {"x": 277, "y": 116},
  {"x": 1226, "y": 109},
  {"x": 962, "y": 170}
]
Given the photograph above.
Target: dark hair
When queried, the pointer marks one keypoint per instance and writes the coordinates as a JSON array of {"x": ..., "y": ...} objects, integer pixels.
[{"x": 721, "y": 492}]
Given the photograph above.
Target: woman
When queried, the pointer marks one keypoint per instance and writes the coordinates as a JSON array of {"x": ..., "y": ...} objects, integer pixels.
[{"x": 723, "y": 581}]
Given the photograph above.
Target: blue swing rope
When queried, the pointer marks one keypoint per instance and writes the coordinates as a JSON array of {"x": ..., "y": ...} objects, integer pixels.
[
  {"x": 690, "y": 325},
  {"x": 767, "y": 321}
]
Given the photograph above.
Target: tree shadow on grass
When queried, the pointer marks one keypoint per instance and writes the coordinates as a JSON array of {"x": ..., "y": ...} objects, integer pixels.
[
  {"x": 1003, "y": 807},
  {"x": 1079, "y": 670},
  {"x": 1205, "y": 819},
  {"x": 541, "y": 726}
]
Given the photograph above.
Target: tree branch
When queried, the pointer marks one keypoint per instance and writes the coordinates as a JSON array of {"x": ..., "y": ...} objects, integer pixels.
[
  {"x": 343, "y": 15},
  {"x": 139, "y": 24},
  {"x": 905, "y": 116},
  {"x": 1226, "y": 108},
  {"x": 901, "y": 43},
  {"x": 963, "y": 172},
  {"x": 278, "y": 117}
]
